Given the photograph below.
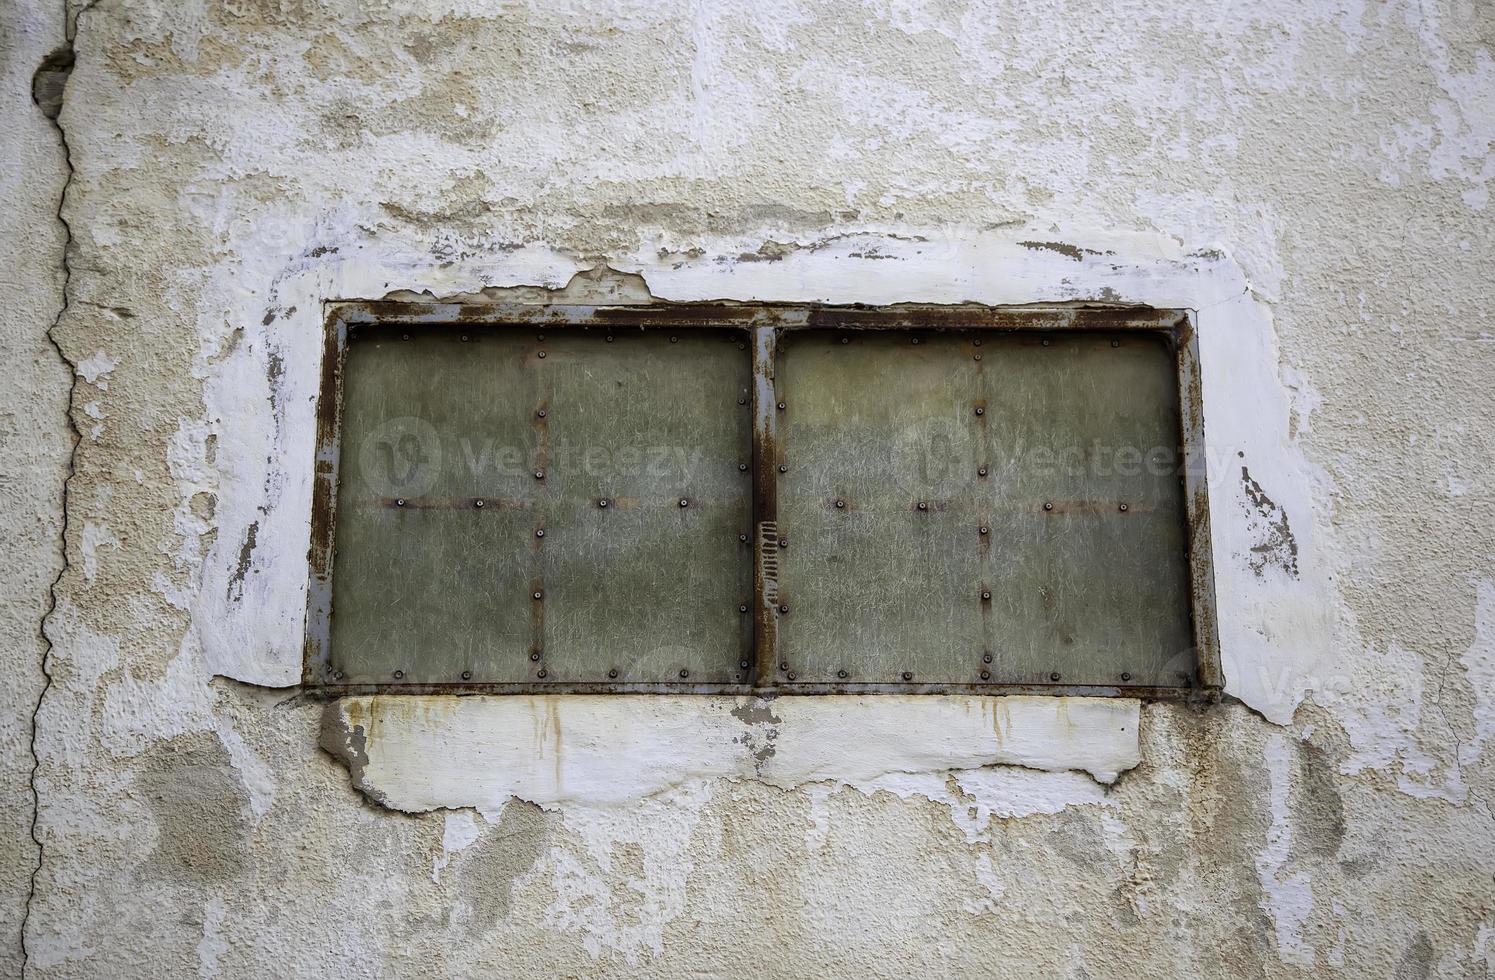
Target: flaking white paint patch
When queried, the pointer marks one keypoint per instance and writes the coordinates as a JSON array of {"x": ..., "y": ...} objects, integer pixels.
[
  {"x": 1287, "y": 895},
  {"x": 419, "y": 754}
]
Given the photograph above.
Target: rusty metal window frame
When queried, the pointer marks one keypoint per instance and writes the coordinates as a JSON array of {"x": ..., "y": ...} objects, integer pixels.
[{"x": 762, "y": 326}]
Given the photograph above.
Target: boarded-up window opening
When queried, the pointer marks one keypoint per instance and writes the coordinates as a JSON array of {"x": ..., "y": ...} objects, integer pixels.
[{"x": 730, "y": 499}]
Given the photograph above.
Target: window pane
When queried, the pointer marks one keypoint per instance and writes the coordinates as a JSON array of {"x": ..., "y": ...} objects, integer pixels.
[
  {"x": 594, "y": 439},
  {"x": 1081, "y": 572}
]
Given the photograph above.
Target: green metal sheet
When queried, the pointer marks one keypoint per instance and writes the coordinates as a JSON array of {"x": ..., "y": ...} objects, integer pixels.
[
  {"x": 471, "y": 541},
  {"x": 1090, "y": 589}
]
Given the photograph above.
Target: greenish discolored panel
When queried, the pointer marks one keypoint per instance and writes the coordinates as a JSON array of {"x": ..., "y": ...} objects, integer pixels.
[
  {"x": 470, "y": 546},
  {"x": 1088, "y": 589}
]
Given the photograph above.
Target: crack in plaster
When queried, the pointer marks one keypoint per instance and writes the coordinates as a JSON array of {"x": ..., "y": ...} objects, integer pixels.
[{"x": 48, "y": 93}]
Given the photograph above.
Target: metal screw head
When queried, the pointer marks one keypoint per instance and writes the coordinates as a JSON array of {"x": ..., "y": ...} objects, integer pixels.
[
  {"x": 535, "y": 655},
  {"x": 612, "y": 672},
  {"x": 914, "y": 340},
  {"x": 784, "y": 666},
  {"x": 1126, "y": 675},
  {"x": 540, "y": 532},
  {"x": 976, "y": 357},
  {"x": 781, "y": 406},
  {"x": 542, "y": 673},
  {"x": 1115, "y": 343},
  {"x": 400, "y": 502},
  {"x": 539, "y": 595},
  {"x": 540, "y": 337},
  {"x": 478, "y": 503},
  {"x": 609, "y": 338},
  {"x": 1123, "y": 508},
  {"x": 742, "y": 664},
  {"x": 674, "y": 340},
  {"x": 845, "y": 340},
  {"x": 783, "y": 467},
  {"x": 1054, "y": 676},
  {"x": 541, "y": 355},
  {"x": 976, "y": 342},
  {"x": 742, "y": 467},
  {"x": 783, "y": 542},
  {"x": 984, "y": 529},
  {"x": 539, "y": 474},
  {"x": 602, "y": 502},
  {"x": 741, "y": 400},
  {"x": 742, "y": 346},
  {"x": 923, "y": 505},
  {"x": 1045, "y": 341},
  {"x": 684, "y": 674},
  {"x": 404, "y": 336},
  {"x": 464, "y": 338},
  {"x": 840, "y": 505},
  {"x": 1048, "y": 505},
  {"x": 980, "y": 410},
  {"x": 337, "y": 675},
  {"x": 742, "y": 537},
  {"x": 908, "y": 675},
  {"x": 986, "y": 658},
  {"x": 985, "y": 594},
  {"x": 742, "y": 608},
  {"x": 684, "y": 501},
  {"x": 467, "y": 675},
  {"x": 540, "y": 413},
  {"x": 986, "y": 675},
  {"x": 841, "y": 674},
  {"x": 981, "y": 471},
  {"x": 784, "y": 610},
  {"x": 399, "y": 674},
  {"x": 789, "y": 676}
]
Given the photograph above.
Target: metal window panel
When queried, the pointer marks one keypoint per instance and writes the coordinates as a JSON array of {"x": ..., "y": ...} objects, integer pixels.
[{"x": 510, "y": 510}]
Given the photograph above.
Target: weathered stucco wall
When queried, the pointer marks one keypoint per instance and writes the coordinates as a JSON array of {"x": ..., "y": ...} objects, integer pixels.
[{"x": 1312, "y": 180}]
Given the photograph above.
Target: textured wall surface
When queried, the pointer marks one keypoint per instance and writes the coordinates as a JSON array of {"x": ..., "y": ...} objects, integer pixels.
[{"x": 1311, "y": 178}]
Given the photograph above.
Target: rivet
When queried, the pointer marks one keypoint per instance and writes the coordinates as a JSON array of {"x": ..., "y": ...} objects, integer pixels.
[
  {"x": 986, "y": 675},
  {"x": 337, "y": 675},
  {"x": 980, "y": 410},
  {"x": 976, "y": 342},
  {"x": 400, "y": 502},
  {"x": 986, "y": 658},
  {"x": 784, "y": 666},
  {"x": 478, "y": 503},
  {"x": 790, "y": 675},
  {"x": 404, "y": 336},
  {"x": 743, "y": 664},
  {"x": 542, "y": 673},
  {"x": 981, "y": 471},
  {"x": 464, "y": 338},
  {"x": 845, "y": 340},
  {"x": 742, "y": 346},
  {"x": 923, "y": 505},
  {"x": 534, "y": 655},
  {"x": 1045, "y": 341},
  {"x": 399, "y": 674},
  {"x": 841, "y": 674},
  {"x": 741, "y": 400},
  {"x": 467, "y": 675},
  {"x": 1054, "y": 676},
  {"x": 540, "y": 337},
  {"x": 783, "y": 467},
  {"x": 742, "y": 467},
  {"x": 984, "y": 530},
  {"x": 914, "y": 341},
  {"x": 539, "y": 595},
  {"x": 783, "y": 542},
  {"x": 541, "y": 355},
  {"x": 1126, "y": 676},
  {"x": 540, "y": 532},
  {"x": 840, "y": 505},
  {"x": 784, "y": 610},
  {"x": 1123, "y": 508},
  {"x": 602, "y": 502},
  {"x": 1048, "y": 505},
  {"x": 781, "y": 406},
  {"x": 612, "y": 672},
  {"x": 609, "y": 338},
  {"x": 539, "y": 474},
  {"x": 908, "y": 676},
  {"x": 674, "y": 340},
  {"x": 985, "y": 594},
  {"x": 976, "y": 357},
  {"x": 684, "y": 674},
  {"x": 742, "y": 608},
  {"x": 540, "y": 413},
  {"x": 1115, "y": 343},
  {"x": 684, "y": 501},
  {"x": 742, "y": 537}
]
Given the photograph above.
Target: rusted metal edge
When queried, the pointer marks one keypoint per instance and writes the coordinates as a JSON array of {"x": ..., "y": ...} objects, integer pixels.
[
  {"x": 765, "y": 455},
  {"x": 316, "y": 665},
  {"x": 1209, "y": 675},
  {"x": 993, "y": 689}
]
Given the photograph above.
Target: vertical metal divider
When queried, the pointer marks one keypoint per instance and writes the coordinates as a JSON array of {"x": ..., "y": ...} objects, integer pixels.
[{"x": 766, "y": 598}]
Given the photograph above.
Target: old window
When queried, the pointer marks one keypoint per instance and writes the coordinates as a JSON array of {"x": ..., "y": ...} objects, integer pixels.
[{"x": 734, "y": 498}]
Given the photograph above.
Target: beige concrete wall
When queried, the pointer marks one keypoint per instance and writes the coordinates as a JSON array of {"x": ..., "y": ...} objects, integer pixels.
[{"x": 1313, "y": 179}]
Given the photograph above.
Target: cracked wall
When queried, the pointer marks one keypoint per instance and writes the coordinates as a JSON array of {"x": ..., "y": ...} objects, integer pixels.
[{"x": 1313, "y": 182}]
